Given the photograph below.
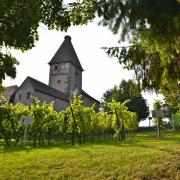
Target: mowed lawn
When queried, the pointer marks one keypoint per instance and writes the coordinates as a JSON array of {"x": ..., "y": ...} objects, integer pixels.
[{"x": 141, "y": 157}]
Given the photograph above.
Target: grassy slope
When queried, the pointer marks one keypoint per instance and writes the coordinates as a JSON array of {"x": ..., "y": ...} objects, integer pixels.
[{"x": 140, "y": 158}]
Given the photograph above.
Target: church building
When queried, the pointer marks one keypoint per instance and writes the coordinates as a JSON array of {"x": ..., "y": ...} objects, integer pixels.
[{"x": 65, "y": 78}]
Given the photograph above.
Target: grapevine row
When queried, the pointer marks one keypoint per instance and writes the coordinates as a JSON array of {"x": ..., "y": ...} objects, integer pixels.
[{"x": 75, "y": 123}]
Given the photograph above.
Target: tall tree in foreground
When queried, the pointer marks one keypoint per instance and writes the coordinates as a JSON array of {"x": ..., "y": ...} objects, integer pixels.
[
  {"x": 129, "y": 90},
  {"x": 152, "y": 27}
]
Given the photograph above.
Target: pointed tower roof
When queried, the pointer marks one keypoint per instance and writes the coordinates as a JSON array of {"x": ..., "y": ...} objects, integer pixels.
[{"x": 66, "y": 53}]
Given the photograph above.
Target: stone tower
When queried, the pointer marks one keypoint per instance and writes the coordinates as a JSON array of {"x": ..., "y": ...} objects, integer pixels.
[{"x": 65, "y": 69}]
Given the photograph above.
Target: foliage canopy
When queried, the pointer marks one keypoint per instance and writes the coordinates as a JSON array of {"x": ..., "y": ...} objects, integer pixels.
[
  {"x": 129, "y": 90},
  {"x": 153, "y": 30},
  {"x": 151, "y": 26}
]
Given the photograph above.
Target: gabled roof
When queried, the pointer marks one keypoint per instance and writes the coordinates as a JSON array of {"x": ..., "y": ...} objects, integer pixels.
[
  {"x": 87, "y": 95},
  {"x": 41, "y": 87},
  {"x": 66, "y": 53}
]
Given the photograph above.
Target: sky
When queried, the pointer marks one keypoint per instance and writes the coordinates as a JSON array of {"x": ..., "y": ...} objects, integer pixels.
[{"x": 101, "y": 72}]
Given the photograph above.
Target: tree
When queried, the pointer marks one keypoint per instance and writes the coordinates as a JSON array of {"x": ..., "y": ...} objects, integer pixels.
[
  {"x": 128, "y": 90},
  {"x": 152, "y": 28},
  {"x": 139, "y": 106},
  {"x": 123, "y": 120},
  {"x": 20, "y": 19}
]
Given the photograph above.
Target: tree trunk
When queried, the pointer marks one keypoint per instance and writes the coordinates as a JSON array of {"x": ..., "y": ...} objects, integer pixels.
[
  {"x": 118, "y": 125},
  {"x": 41, "y": 139},
  {"x": 84, "y": 137},
  {"x": 49, "y": 135},
  {"x": 123, "y": 132},
  {"x": 64, "y": 137},
  {"x": 92, "y": 137},
  {"x": 172, "y": 120},
  {"x": 72, "y": 138},
  {"x": 79, "y": 135},
  {"x": 104, "y": 134},
  {"x": 16, "y": 141},
  {"x": 34, "y": 142},
  {"x": 64, "y": 128},
  {"x": 73, "y": 126},
  {"x": 7, "y": 142},
  {"x": 158, "y": 129}
]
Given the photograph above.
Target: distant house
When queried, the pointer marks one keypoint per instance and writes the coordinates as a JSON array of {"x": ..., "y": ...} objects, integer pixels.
[{"x": 64, "y": 78}]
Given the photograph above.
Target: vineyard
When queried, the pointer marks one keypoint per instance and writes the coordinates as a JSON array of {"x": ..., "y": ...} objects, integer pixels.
[{"x": 75, "y": 124}]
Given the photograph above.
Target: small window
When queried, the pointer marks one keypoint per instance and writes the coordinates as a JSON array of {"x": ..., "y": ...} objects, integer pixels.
[
  {"x": 20, "y": 96},
  {"x": 28, "y": 95},
  {"x": 59, "y": 81},
  {"x": 55, "y": 67}
]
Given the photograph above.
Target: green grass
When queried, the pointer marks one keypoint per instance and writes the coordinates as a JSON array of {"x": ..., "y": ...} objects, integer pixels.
[{"x": 142, "y": 157}]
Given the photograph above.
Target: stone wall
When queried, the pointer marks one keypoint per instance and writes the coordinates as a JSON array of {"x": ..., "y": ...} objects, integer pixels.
[
  {"x": 59, "y": 77},
  {"x": 65, "y": 77},
  {"x": 75, "y": 78},
  {"x": 23, "y": 93},
  {"x": 59, "y": 104}
]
